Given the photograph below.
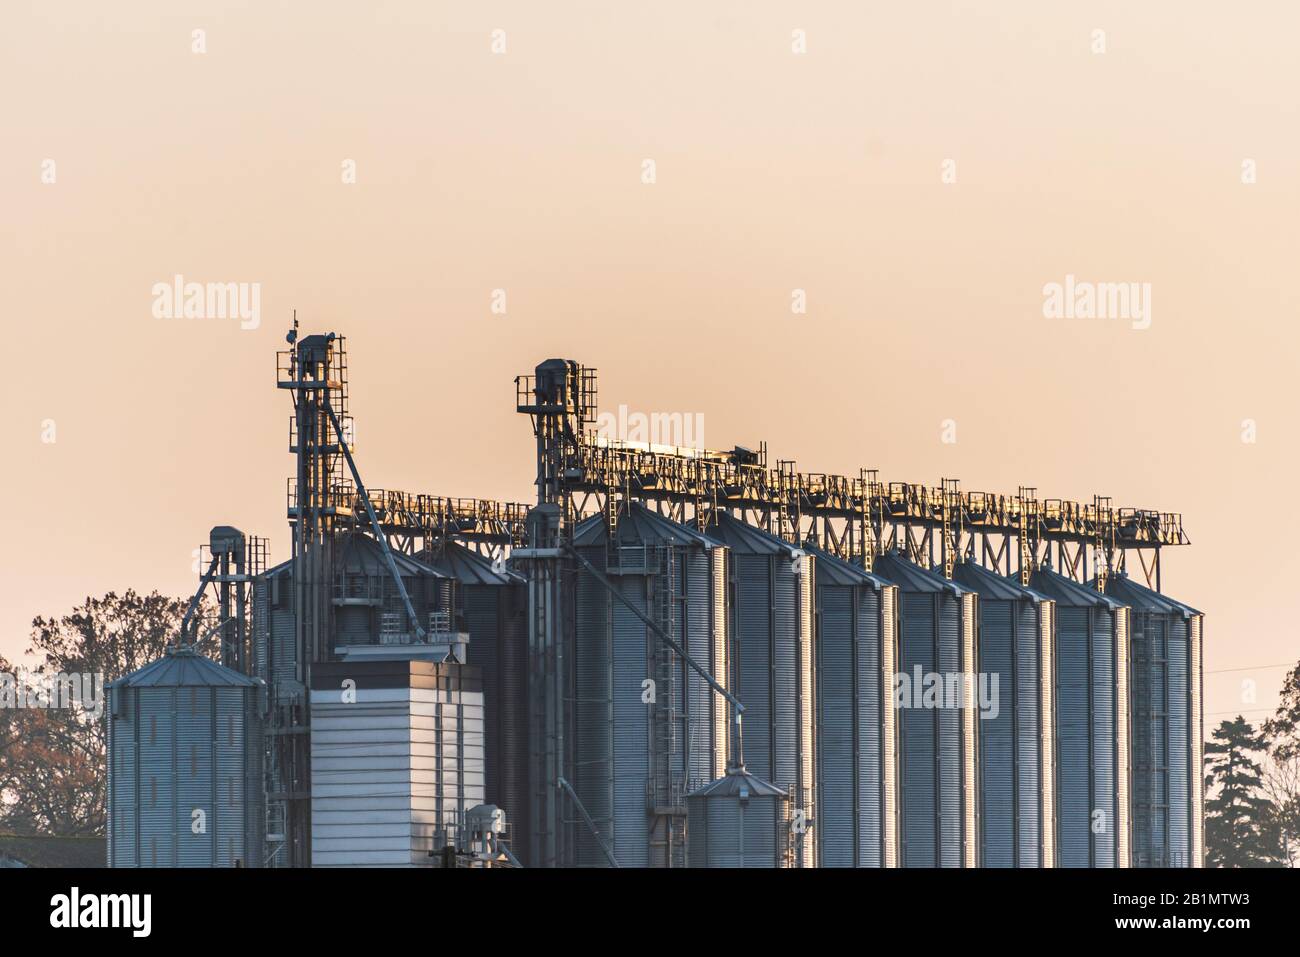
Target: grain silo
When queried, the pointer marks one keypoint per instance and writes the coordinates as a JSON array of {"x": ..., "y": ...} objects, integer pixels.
[
  {"x": 396, "y": 760},
  {"x": 1165, "y": 692},
  {"x": 1092, "y": 728},
  {"x": 492, "y": 604},
  {"x": 935, "y": 695},
  {"x": 649, "y": 730},
  {"x": 185, "y": 765},
  {"x": 856, "y": 645},
  {"x": 772, "y": 586},
  {"x": 739, "y": 820},
  {"x": 1015, "y": 710}
]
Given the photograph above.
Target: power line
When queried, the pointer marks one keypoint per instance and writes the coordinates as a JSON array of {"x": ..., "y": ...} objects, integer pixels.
[{"x": 1219, "y": 671}]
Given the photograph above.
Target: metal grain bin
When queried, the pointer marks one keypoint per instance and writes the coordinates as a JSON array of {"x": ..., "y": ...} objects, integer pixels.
[
  {"x": 492, "y": 603},
  {"x": 1165, "y": 695},
  {"x": 1092, "y": 727},
  {"x": 938, "y": 761},
  {"x": 648, "y": 729},
  {"x": 739, "y": 821},
  {"x": 1013, "y": 657},
  {"x": 185, "y": 765},
  {"x": 856, "y": 643},
  {"x": 772, "y": 591}
]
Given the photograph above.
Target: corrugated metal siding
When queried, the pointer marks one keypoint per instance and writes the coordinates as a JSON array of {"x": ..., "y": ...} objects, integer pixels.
[
  {"x": 998, "y": 739},
  {"x": 1179, "y": 746},
  {"x": 838, "y": 720},
  {"x": 724, "y": 833},
  {"x": 720, "y": 662},
  {"x": 1104, "y": 736},
  {"x": 1197, "y": 731},
  {"x": 869, "y": 691},
  {"x": 632, "y": 742},
  {"x": 1028, "y": 732},
  {"x": 1123, "y": 738},
  {"x": 184, "y": 777},
  {"x": 969, "y": 764},
  {"x": 1048, "y": 769},
  {"x": 919, "y": 735},
  {"x": 889, "y": 760},
  {"x": 951, "y": 742},
  {"x": 594, "y": 711},
  {"x": 1073, "y": 734}
]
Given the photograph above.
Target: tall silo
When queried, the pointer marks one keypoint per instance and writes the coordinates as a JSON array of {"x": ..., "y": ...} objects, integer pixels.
[
  {"x": 739, "y": 820},
  {"x": 648, "y": 728},
  {"x": 492, "y": 603},
  {"x": 185, "y": 765},
  {"x": 938, "y": 761},
  {"x": 1165, "y": 694},
  {"x": 1092, "y": 727},
  {"x": 1015, "y": 709},
  {"x": 772, "y": 589},
  {"x": 856, "y": 645}
]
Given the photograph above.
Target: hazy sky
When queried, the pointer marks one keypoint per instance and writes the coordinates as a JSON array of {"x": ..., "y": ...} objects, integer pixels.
[{"x": 774, "y": 171}]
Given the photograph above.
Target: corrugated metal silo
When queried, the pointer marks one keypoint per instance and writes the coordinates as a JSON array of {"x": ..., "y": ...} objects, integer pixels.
[
  {"x": 649, "y": 730},
  {"x": 1092, "y": 739},
  {"x": 856, "y": 638},
  {"x": 185, "y": 765},
  {"x": 492, "y": 602},
  {"x": 1012, "y": 652},
  {"x": 1165, "y": 689},
  {"x": 739, "y": 820},
  {"x": 938, "y": 760},
  {"x": 772, "y": 591}
]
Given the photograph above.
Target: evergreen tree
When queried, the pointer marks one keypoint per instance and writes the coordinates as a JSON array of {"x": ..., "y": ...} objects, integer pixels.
[{"x": 1241, "y": 824}]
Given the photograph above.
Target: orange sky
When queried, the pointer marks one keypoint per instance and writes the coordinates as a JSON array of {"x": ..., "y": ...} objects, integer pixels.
[{"x": 522, "y": 171}]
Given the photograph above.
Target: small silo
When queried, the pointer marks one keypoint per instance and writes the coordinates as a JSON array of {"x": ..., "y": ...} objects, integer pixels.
[
  {"x": 772, "y": 590},
  {"x": 649, "y": 730},
  {"x": 938, "y": 772},
  {"x": 1165, "y": 694},
  {"x": 492, "y": 604},
  {"x": 856, "y": 644},
  {"x": 1092, "y": 728},
  {"x": 1014, "y": 653},
  {"x": 739, "y": 820},
  {"x": 396, "y": 760},
  {"x": 185, "y": 765}
]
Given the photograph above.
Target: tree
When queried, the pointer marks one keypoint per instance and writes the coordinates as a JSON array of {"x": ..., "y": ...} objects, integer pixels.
[
  {"x": 1283, "y": 729},
  {"x": 53, "y": 769},
  {"x": 1241, "y": 824},
  {"x": 1282, "y": 787}
]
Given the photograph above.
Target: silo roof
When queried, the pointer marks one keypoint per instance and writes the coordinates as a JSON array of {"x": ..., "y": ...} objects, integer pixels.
[
  {"x": 745, "y": 539},
  {"x": 836, "y": 571},
  {"x": 1067, "y": 592},
  {"x": 358, "y": 552},
  {"x": 736, "y": 779},
  {"x": 909, "y": 576},
  {"x": 991, "y": 586},
  {"x": 466, "y": 565},
  {"x": 637, "y": 524},
  {"x": 183, "y": 668},
  {"x": 1122, "y": 588}
]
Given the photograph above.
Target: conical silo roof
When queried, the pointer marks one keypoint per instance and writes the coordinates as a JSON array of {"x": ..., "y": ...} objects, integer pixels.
[
  {"x": 991, "y": 586},
  {"x": 1122, "y": 588},
  {"x": 909, "y": 576},
  {"x": 1067, "y": 592},
  {"x": 745, "y": 539},
  {"x": 454, "y": 560},
  {"x": 638, "y": 525},
  {"x": 183, "y": 668},
  {"x": 833, "y": 570}
]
